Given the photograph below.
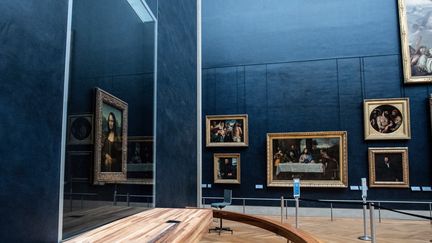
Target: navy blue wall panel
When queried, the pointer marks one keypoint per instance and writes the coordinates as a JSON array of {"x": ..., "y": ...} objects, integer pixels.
[
  {"x": 253, "y": 32},
  {"x": 296, "y": 66},
  {"x": 176, "y": 146},
  {"x": 32, "y": 53}
]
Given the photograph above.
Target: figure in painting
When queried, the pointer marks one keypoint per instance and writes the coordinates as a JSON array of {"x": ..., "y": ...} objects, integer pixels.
[
  {"x": 226, "y": 169},
  {"x": 111, "y": 147},
  {"x": 387, "y": 170}
]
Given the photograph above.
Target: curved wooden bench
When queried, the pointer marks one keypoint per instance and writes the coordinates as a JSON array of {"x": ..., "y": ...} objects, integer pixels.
[{"x": 286, "y": 231}]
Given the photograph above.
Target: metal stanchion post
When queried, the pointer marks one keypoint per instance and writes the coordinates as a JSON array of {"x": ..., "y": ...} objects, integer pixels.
[
  {"x": 296, "y": 211},
  {"x": 379, "y": 211},
  {"x": 127, "y": 199},
  {"x": 244, "y": 206},
  {"x": 286, "y": 209},
  {"x": 331, "y": 211},
  {"x": 430, "y": 211},
  {"x": 364, "y": 196},
  {"x": 282, "y": 206},
  {"x": 115, "y": 196},
  {"x": 204, "y": 202},
  {"x": 372, "y": 225}
]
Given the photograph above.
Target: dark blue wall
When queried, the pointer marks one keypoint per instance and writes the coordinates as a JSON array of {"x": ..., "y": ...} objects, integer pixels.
[
  {"x": 176, "y": 146},
  {"x": 298, "y": 66},
  {"x": 32, "y": 53}
]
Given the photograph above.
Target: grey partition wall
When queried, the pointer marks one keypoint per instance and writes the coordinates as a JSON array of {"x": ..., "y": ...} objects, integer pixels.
[
  {"x": 176, "y": 112},
  {"x": 32, "y": 60}
]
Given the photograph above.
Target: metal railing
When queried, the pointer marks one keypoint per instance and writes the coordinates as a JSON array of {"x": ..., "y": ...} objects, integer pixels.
[
  {"x": 330, "y": 202},
  {"x": 365, "y": 203}
]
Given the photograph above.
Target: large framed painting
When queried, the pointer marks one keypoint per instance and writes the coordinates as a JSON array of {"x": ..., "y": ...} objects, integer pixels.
[
  {"x": 415, "y": 20},
  {"x": 80, "y": 129},
  {"x": 140, "y": 160},
  {"x": 318, "y": 159},
  {"x": 227, "y": 131},
  {"x": 111, "y": 115},
  {"x": 226, "y": 168},
  {"x": 388, "y": 167},
  {"x": 386, "y": 119}
]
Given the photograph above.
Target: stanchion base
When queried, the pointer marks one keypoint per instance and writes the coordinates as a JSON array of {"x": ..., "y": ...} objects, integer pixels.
[{"x": 365, "y": 237}]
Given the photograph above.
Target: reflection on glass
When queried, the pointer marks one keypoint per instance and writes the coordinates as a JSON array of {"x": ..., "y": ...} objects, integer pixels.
[{"x": 113, "y": 48}]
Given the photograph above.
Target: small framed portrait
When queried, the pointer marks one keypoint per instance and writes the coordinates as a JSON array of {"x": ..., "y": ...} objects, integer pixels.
[
  {"x": 388, "y": 167},
  {"x": 386, "y": 119},
  {"x": 110, "y": 138},
  {"x": 319, "y": 159},
  {"x": 140, "y": 160},
  {"x": 227, "y": 168},
  {"x": 227, "y": 131},
  {"x": 80, "y": 129},
  {"x": 415, "y": 21}
]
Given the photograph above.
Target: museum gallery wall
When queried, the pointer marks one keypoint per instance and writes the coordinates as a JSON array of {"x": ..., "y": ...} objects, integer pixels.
[{"x": 300, "y": 80}]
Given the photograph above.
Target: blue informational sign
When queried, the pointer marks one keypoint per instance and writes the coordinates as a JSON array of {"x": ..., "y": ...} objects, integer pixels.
[{"x": 296, "y": 188}]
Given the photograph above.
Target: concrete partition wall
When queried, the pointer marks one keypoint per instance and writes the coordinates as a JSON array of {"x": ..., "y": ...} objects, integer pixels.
[
  {"x": 32, "y": 61},
  {"x": 176, "y": 111}
]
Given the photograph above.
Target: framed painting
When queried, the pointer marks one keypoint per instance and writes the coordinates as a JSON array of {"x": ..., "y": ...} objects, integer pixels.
[
  {"x": 140, "y": 160},
  {"x": 386, "y": 119},
  {"x": 227, "y": 131},
  {"x": 318, "y": 159},
  {"x": 80, "y": 129},
  {"x": 111, "y": 115},
  {"x": 78, "y": 166},
  {"x": 388, "y": 167},
  {"x": 415, "y": 20},
  {"x": 226, "y": 168}
]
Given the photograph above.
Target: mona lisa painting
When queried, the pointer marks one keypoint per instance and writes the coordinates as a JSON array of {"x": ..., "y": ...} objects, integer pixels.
[{"x": 110, "y": 138}]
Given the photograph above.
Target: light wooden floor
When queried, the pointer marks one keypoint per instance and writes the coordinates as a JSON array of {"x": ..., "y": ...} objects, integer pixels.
[{"x": 341, "y": 230}]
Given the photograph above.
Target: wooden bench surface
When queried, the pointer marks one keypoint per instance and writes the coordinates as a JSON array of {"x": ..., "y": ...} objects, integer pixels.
[{"x": 154, "y": 225}]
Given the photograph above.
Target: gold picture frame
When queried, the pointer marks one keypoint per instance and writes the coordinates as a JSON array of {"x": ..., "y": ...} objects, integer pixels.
[
  {"x": 140, "y": 165},
  {"x": 388, "y": 167},
  {"x": 415, "y": 23},
  {"x": 319, "y": 159},
  {"x": 227, "y": 130},
  {"x": 386, "y": 119},
  {"x": 226, "y": 168},
  {"x": 111, "y": 119}
]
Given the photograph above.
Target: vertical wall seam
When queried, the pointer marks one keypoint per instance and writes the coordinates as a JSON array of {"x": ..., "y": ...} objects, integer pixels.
[
  {"x": 362, "y": 78},
  {"x": 338, "y": 94}
]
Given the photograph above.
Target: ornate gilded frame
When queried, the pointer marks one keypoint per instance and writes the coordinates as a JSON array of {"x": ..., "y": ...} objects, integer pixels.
[
  {"x": 403, "y": 132},
  {"x": 143, "y": 181},
  {"x": 103, "y": 97},
  {"x": 216, "y": 158},
  {"x": 343, "y": 161},
  {"x": 405, "y": 48},
  {"x": 243, "y": 117},
  {"x": 372, "y": 167}
]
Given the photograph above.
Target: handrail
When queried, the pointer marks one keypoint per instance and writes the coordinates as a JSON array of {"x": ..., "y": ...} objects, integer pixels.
[
  {"x": 324, "y": 200},
  {"x": 286, "y": 231}
]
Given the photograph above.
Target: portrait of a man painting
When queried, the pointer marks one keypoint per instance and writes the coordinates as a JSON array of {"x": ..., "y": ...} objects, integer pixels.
[
  {"x": 227, "y": 131},
  {"x": 386, "y": 119},
  {"x": 227, "y": 168},
  {"x": 388, "y": 167},
  {"x": 318, "y": 159},
  {"x": 110, "y": 138},
  {"x": 415, "y": 20}
]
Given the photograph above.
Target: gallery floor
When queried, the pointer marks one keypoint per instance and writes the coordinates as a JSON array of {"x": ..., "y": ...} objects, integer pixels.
[{"x": 341, "y": 230}]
